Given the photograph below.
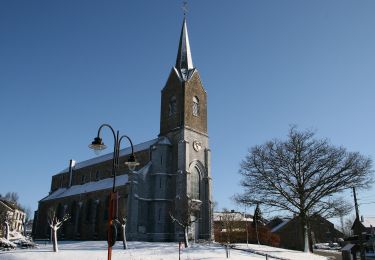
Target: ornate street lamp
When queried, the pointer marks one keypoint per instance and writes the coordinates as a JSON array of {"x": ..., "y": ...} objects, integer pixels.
[{"x": 97, "y": 145}]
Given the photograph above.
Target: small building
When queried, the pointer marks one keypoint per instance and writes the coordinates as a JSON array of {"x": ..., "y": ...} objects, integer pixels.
[
  {"x": 364, "y": 232},
  {"x": 15, "y": 215},
  {"x": 365, "y": 224},
  {"x": 290, "y": 232},
  {"x": 238, "y": 220},
  {"x": 230, "y": 226}
]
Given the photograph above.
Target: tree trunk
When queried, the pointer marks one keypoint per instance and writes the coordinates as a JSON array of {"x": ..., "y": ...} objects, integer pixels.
[
  {"x": 124, "y": 242},
  {"x": 6, "y": 230},
  {"x": 186, "y": 237},
  {"x": 305, "y": 233},
  {"x": 256, "y": 230},
  {"x": 55, "y": 248},
  {"x": 24, "y": 228},
  {"x": 306, "y": 239}
]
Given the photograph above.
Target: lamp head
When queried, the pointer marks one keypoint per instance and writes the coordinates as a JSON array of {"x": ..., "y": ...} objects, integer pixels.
[
  {"x": 132, "y": 163},
  {"x": 97, "y": 145}
]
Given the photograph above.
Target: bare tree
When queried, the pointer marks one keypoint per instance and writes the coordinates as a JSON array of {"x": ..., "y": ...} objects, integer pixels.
[
  {"x": 257, "y": 220},
  {"x": 347, "y": 226},
  {"x": 12, "y": 197},
  {"x": 301, "y": 175},
  {"x": 230, "y": 222},
  {"x": 186, "y": 217},
  {"x": 55, "y": 223},
  {"x": 28, "y": 213},
  {"x": 123, "y": 229}
]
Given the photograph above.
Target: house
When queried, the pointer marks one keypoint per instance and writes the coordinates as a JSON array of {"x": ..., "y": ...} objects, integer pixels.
[
  {"x": 231, "y": 226},
  {"x": 364, "y": 228},
  {"x": 290, "y": 231},
  {"x": 174, "y": 166},
  {"x": 238, "y": 227},
  {"x": 16, "y": 216},
  {"x": 237, "y": 221},
  {"x": 365, "y": 224}
]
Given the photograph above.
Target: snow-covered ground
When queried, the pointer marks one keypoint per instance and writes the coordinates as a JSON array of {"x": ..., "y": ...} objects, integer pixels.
[
  {"x": 280, "y": 252},
  {"x": 97, "y": 250}
]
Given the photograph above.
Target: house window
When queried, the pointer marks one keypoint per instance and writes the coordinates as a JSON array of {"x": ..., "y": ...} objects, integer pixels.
[
  {"x": 172, "y": 106},
  {"x": 195, "y": 106}
]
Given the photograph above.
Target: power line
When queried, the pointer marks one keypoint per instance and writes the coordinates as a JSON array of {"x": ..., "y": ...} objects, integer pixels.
[{"x": 365, "y": 203}]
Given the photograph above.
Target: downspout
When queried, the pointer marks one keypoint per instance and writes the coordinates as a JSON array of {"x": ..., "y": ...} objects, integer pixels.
[{"x": 72, "y": 163}]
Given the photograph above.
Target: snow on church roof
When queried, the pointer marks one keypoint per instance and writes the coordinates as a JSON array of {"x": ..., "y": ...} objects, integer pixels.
[
  {"x": 94, "y": 186},
  {"x": 87, "y": 187},
  {"x": 108, "y": 156}
]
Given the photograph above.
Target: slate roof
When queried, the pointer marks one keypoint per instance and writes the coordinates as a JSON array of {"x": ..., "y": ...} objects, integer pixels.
[
  {"x": 184, "y": 61},
  {"x": 92, "y": 186},
  {"x": 123, "y": 152},
  {"x": 282, "y": 224},
  {"x": 10, "y": 205}
]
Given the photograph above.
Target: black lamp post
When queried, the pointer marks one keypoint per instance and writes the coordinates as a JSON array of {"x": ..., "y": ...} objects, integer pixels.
[{"x": 97, "y": 145}]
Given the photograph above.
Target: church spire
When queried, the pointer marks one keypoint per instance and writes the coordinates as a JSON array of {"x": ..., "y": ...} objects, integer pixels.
[{"x": 184, "y": 62}]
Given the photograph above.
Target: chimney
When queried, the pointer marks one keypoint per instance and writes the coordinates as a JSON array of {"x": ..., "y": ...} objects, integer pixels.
[
  {"x": 72, "y": 163},
  {"x": 232, "y": 211}
]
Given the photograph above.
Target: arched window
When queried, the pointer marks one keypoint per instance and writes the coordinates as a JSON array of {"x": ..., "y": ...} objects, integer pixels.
[
  {"x": 194, "y": 183},
  {"x": 172, "y": 106},
  {"x": 59, "y": 211},
  {"x": 105, "y": 213},
  {"x": 73, "y": 212},
  {"x": 195, "y": 106},
  {"x": 89, "y": 210}
]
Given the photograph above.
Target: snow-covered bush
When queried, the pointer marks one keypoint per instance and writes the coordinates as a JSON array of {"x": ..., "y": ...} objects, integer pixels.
[{"x": 6, "y": 244}]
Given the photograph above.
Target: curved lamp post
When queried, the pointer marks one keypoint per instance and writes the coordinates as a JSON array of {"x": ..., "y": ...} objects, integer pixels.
[{"x": 97, "y": 145}]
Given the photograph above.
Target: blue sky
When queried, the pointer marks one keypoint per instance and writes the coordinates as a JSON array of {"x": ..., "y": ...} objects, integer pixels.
[{"x": 68, "y": 66}]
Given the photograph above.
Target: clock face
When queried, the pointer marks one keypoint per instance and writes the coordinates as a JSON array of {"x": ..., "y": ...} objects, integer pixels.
[{"x": 197, "y": 145}]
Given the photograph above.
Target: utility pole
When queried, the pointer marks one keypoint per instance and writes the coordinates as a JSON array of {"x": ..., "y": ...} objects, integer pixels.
[{"x": 360, "y": 235}]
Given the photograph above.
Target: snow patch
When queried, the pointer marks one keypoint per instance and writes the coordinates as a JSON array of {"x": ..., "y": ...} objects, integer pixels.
[
  {"x": 286, "y": 221},
  {"x": 109, "y": 156},
  {"x": 87, "y": 187}
]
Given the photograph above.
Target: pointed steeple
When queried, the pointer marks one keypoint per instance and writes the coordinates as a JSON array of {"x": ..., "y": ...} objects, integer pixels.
[{"x": 184, "y": 62}]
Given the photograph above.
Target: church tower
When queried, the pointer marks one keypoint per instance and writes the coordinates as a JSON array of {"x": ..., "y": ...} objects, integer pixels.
[
  {"x": 183, "y": 120},
  {"x": 183, "y": 100},
  {"x": 173, "y": 178}
]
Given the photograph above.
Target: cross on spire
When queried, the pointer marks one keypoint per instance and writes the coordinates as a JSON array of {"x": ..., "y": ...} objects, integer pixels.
[{"x": 185, "y": 7}]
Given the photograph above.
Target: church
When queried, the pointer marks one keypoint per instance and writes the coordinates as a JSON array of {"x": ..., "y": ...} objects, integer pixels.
[{"x": 173, "y": 168}]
